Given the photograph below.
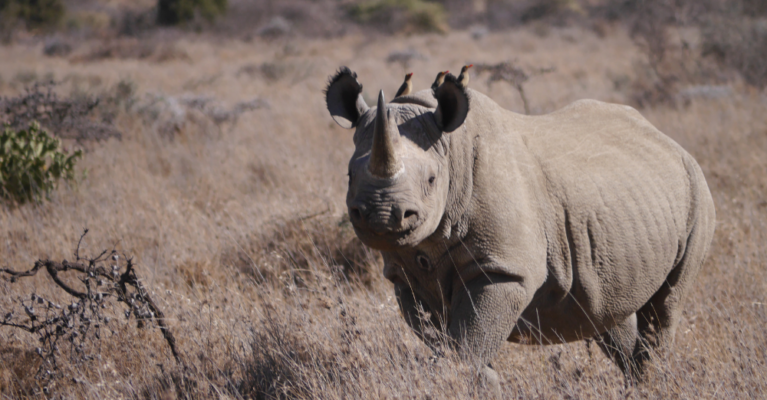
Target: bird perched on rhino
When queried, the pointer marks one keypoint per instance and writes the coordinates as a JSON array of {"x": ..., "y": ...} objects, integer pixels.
[
  {"x": 406, "y": 87},
  {"x": 439, "y": 80},
  {"x": 463, "y": 79}
]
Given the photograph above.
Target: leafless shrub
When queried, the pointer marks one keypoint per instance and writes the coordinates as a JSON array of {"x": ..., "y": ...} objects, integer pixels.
[
  {"x": 220, "y": 114},
  {"x": 405, "y": 57},
  {"x": 273, "y": 71},
  {"x": 513, "y": 74},
  {"x": 204, "y": 81},
  {"x": 132, "y": 48},
  {"x": 74, "y": 330},
  {"x": 56, "y": 47},
  {"x": 738, "y": 43},
  {"x": 278, "y": 70},
  {"x": 274, "y": 19},
  {"x": 729, "y": 35},
  {"x": 550, "y": 9},
  {"x": 136, "y": 22},
  {"x": 671, "y": 72},
  {"x": 508, "y": 13},
  {"x": 171, "y": 115},
  {"x": 70, "y": 118},
  {"x": 29, "y": 77},
  {"x": 409, "y": 16},
  {"x": 659, "y": 77}
]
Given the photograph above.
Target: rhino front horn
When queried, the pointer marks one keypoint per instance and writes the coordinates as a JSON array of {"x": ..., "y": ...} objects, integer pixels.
[{"x": 383, "y": 157}]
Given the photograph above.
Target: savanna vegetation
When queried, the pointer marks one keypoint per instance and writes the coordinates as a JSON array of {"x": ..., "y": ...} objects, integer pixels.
[{"x": 219, "y": 261}]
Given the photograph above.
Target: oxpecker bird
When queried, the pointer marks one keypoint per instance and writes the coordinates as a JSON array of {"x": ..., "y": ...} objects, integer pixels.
[
  {"x": 464, "y": 77},
  {"x": 439, "y": 80},
  {"x": 406, "y": 87}
]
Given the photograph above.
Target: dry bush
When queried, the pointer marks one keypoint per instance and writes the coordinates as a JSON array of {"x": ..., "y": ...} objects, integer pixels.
[
  {"x": 512, "y": 74},
  {"x": 72, "y": 333},
  {"x": 674, "y": 68},
  {"x": 277, "y": 70},
  {"x": 304, "y": 250},
  {"x": 505, "y": 14},
  {"x": 274, "y": 19},
  {"x": 170, "y": 116},
  {"x": 57, "y": 47},
  {"x": 35, "y": 14},
  {"x": 69, "y": 118},
  {"x": 405, "y": 58},
  {"x": 173, "y": 12},
  {"x": 133, "y": 48},
  {"x": 738, "y": 43},
  {"x": 408, "y": 16},
  {"x": 135, "y": 22}
]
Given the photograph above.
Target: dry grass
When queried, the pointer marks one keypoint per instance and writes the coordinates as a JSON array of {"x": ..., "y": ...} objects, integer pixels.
[{"x": 240, "y": 233}]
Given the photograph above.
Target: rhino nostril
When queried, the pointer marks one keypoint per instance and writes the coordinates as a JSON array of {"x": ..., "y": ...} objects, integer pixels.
[
  {"x": 423, "y": 262},
  {"x": 355, "y": 213},
  {"x": 410, "y": 213}
]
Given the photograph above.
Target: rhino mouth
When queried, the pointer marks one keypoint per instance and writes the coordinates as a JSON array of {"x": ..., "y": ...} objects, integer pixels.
[{"x": 386, "y": 239}]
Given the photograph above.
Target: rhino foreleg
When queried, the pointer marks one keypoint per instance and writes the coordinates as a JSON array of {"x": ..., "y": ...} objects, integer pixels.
[
  {"x": 482, "y": 317},
  {"x": 418, "y": 316}
]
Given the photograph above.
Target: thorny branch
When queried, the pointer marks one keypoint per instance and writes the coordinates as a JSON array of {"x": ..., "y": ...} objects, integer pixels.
[{"x": 82, "y": 321}]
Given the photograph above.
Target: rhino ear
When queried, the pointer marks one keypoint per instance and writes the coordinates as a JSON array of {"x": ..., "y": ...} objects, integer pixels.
[
  {"x": 452, "y": 104},
  {"x": 344, "y": 98}
]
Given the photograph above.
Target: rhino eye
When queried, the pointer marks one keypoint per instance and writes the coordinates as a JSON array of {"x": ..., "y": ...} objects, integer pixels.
[
  {"x": 351, "y": 176},
  {"x": 431, "y": 180}
]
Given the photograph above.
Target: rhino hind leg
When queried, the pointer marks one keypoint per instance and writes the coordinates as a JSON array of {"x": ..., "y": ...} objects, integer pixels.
[
  {"x": 625, "y": 347},
  {"x": 658, "y": 319}
]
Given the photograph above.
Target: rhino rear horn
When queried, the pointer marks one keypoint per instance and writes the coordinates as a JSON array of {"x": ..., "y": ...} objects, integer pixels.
[
  {"x": 452, "y": 104},
  {"x": 344, "y": 98}
]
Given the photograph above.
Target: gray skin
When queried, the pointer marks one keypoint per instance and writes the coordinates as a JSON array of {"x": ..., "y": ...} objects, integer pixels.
[{"x": 584, "y": 223}]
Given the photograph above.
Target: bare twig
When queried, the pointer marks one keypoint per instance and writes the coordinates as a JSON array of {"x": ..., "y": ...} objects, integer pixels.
[
  {"x": 516, "y": 76},
  {"x": 129, "y": 278},
  {"x": 80, "y": 322}
]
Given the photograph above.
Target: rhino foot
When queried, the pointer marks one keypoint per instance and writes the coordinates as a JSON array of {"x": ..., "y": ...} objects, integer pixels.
[{"x": 490, "y": 383}]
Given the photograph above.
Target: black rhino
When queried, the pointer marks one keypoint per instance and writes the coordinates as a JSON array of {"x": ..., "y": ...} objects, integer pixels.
[{"x": 586, "y": 222}]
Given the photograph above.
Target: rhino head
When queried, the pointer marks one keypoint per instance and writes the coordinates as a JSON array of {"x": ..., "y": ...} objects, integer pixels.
[{"x": 399, "y": 173}]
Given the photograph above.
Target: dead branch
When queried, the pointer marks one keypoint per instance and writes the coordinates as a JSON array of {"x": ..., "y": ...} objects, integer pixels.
[
  {"x": 80, "y": 323},
  {"x": 516, "y": 76}
]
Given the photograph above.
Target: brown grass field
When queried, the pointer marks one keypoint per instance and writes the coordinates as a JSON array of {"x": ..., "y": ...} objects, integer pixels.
[{"x": 238, "y": 228}]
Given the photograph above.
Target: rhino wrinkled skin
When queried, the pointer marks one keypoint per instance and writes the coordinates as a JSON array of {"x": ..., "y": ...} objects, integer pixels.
[{"x": 585, "y": 222}]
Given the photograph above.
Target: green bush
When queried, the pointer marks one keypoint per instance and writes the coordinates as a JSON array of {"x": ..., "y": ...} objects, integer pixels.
[
  {"x": 35, "y": 13},
  {"x": 401, "y": 15},
  {"x": 32, "y": 163},
  {"x": 174, "y": 12}
]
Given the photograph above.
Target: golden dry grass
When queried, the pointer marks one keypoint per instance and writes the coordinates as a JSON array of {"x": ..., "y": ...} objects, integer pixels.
[{"x": 239, "y": 230}]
